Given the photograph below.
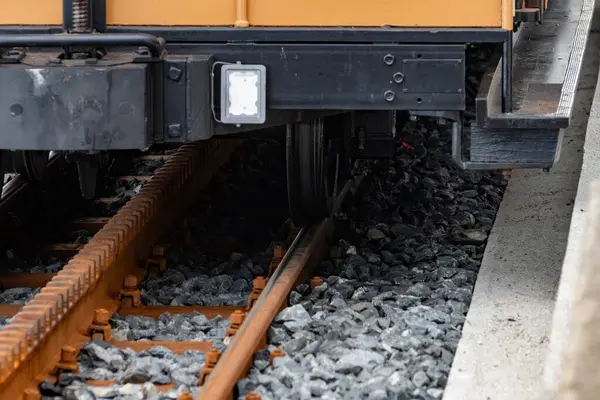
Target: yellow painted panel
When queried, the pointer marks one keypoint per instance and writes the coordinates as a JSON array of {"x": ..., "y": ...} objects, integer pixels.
[
  {"x": 408, "y": 13},
  {"x": 170, "y": 12},
  {"x": 31, "y": 12}
]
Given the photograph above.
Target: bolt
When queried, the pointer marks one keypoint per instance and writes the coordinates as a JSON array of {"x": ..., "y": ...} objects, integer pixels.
[
  {"x": 32, "y": 394},
  {"x": 398, "y": 77},
  {"x": 68, "y": 354},
  {"x": 100, "y": 328},
  {"x": 143, "y": 52},
  {"x": 16, "y": 109},
  {"x": 459, "y": 90},
  {"x": 68, "y": 360},
  {"x": 258, "y": 285},
  {"x": 130, "y": 295},
  {"x": 389, "y": 59},
  {"x": 101, "y": 316},
  {"x": 389, "y": 95},
  {"x": 212, "y": 357},
  {"x": 274, "y": 354},
  {"x": 278, "y": 252},
  {"x": 316, "y": 281},
  {"x": 237, "y": 317},
  {"x": 130, "y": 282},
  {"x": 174, "y": 73},
  {"x": 259, "y": 282},
  {"x": 175, "y": 130}
]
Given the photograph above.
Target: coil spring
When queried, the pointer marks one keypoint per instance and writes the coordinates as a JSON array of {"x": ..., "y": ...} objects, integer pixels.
[{"x": 81, "y": 16}]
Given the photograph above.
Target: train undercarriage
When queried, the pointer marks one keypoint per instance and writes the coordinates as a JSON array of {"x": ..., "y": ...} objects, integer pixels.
[{"x": 89, "y": 88}]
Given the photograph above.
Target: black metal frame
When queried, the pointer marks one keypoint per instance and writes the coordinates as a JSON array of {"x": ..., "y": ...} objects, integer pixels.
[
  {"x": 181, "y": 80},
  {"x": 155, "y": 45},
  {"x": 291, "y": 35}
]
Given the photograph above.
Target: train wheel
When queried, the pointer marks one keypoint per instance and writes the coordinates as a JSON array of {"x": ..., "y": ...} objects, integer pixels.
[
  {"x": 315, "y": 164},
  {"x": 30, "y": 164}
]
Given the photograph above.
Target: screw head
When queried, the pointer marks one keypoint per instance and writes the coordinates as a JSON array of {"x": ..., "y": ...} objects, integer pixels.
[
  {"x": 398, "y": 77},
  {"x": 174, "y": 73},
  {"x": 389, "y": 95},
  {"x": 175, "y": 130},
  {"x": 389, "y": 59}
]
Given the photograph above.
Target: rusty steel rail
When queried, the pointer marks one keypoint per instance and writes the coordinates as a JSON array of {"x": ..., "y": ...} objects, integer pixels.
[
  {"x": 30, "y": 346},
  {"x": 580, "y": 378},
  {"x": 307, "y": 249}
]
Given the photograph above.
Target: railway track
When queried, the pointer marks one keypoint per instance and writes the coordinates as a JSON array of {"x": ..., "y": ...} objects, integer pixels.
[
  {"x": 102, "y": 279},
  {"x": 107, "y": 267},
  {"x": 113, "y": 319}
]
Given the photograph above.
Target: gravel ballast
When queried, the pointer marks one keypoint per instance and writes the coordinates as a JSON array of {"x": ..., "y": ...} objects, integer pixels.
[
  {"x": 180, "y": 327},
  {"x": 387, "y": 320},
  {"x": 233, "y": 229}
]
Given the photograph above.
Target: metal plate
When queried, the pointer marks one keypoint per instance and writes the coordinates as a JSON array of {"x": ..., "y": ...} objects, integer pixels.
[
  {"x": 75, "y": 108},
  {"x": 350, "y": 77},
  {"x": 186, "y": 104},
  {"x": 515, "y": 146}
]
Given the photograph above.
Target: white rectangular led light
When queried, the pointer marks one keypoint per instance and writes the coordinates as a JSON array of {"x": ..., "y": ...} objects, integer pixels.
[{"x": 243, "y": 94}]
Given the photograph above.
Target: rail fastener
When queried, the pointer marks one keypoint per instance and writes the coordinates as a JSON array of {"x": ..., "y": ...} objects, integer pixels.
[
  {"x": 258, "y": 285},
  {"x": 100, "y": 328}
]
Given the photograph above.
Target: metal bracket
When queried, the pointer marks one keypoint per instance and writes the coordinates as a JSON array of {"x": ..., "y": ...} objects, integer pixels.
[
  {"x": 12, "y": 56},
  {"x": 457, "y": 136}
]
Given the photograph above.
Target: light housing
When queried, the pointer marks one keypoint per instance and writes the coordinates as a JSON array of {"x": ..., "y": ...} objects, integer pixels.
[{"x": 243, "y": 94}]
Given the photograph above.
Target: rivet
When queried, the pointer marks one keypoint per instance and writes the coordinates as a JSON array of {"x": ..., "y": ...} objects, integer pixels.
[
  {"x": 389, "y": 59},
  {"x": 389, "y": 95},
  {"x": 174, "y": 73},
  {"x": 16, "y": 109},
  {"x": 398, "y": 77}
]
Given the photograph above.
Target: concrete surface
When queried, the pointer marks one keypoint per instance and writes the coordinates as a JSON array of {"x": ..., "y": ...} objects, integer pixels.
[
  {"x": 506, "y": 336},
  {"x": 590, "y": 171}
]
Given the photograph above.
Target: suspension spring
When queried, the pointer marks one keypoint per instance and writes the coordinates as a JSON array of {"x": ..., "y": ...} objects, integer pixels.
[{"x": 81, "y": 16}]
